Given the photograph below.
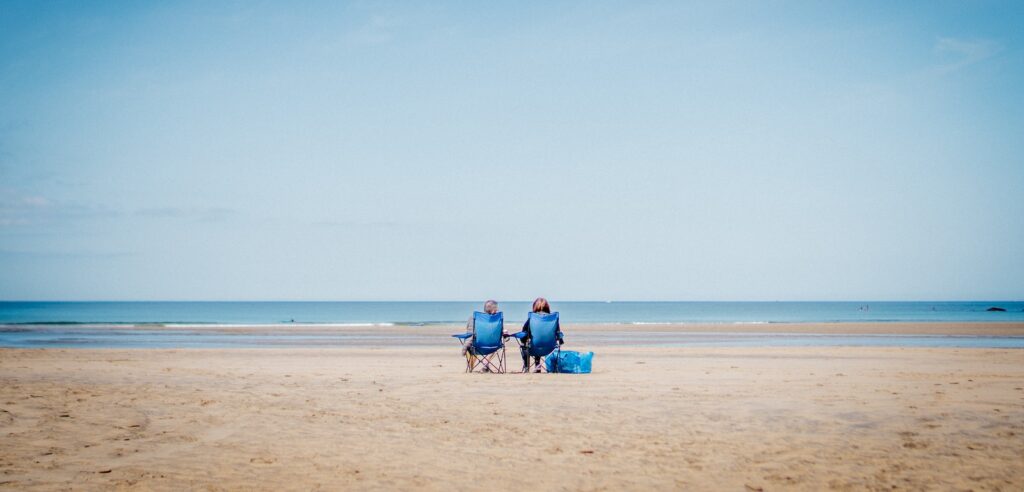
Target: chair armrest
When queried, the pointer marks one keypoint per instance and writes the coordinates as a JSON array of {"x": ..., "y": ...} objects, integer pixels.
[
  {"x": 519, "y": 335},
  {"x": 462, "y": 336}
]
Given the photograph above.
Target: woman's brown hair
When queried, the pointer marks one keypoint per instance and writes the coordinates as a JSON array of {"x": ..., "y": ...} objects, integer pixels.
[{"x": 540, "y": 305}]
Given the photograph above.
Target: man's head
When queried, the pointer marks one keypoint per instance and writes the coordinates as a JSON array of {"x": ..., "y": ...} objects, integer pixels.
[{"x": 491, "y": 306}]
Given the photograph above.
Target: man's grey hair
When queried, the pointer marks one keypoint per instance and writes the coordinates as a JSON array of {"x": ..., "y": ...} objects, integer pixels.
[{"x": 491, "y": 306}]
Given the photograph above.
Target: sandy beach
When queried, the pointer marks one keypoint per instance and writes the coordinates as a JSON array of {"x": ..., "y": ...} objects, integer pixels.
[
  {"x": 242, "y": 243},
  {"x": 401, "y": 418}
]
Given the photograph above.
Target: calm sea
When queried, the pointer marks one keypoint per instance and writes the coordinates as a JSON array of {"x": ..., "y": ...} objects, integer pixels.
[
  {"x": 203, "y": 324},
  {"x": 173, "y": 313}
]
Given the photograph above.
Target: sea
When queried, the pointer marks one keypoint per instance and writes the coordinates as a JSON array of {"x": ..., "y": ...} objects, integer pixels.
[{"x": 200, "y": 324}]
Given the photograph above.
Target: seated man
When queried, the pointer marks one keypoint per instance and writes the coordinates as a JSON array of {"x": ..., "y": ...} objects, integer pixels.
[{"x": 490, "y": 307}]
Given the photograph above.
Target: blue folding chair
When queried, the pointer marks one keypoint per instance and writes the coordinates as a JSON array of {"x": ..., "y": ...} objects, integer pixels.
[
  {"x": 545, "y": 334},
  {"x": 488, "y": 346}
]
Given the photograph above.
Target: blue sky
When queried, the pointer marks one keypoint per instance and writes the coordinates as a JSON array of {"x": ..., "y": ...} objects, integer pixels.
[{"x": 465, "y": 150}]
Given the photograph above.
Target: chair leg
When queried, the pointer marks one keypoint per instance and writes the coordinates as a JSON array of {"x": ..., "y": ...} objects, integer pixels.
[
  {"x": 481, "y": 361},
  {"x": 493, "y": 362},
  {"x": 468, "y": 355}
]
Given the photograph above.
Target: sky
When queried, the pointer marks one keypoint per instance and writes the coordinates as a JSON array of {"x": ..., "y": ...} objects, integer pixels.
[{"x": 467, "y": 150}]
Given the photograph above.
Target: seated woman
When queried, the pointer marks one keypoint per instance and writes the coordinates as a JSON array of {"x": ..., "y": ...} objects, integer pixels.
[
  {"x": 490, "y": 307},
  {"x": 540, "y": 305}
]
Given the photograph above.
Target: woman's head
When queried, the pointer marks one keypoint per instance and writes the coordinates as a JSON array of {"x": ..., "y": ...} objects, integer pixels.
[
  {"x": 540, "y": 305},
  {"x": 491, "y": 306}
]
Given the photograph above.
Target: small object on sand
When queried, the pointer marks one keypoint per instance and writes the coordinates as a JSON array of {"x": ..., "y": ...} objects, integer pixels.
[
  {"x": 104, "y": 471},
  {"x": 587, "y": 451}
]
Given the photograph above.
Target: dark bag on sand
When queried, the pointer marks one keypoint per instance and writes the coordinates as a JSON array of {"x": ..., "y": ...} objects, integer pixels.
[{"x": 568, "y": 361}]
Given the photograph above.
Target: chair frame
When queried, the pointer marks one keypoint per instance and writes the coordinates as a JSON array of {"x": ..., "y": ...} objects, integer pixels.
[
  {"x": 494, "y": 359},
  {"x": 524, "y": 347}
]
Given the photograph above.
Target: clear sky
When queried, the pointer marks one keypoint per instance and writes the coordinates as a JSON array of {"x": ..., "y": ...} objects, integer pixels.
[{"x": 465, "y": 150}]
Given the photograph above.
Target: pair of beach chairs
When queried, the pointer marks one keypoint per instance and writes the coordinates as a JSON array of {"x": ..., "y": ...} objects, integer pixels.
[{"x": 487, "y": 348}]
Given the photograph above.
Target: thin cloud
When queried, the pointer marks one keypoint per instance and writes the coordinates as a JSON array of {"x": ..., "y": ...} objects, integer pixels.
[
  {"x": 20, "y": 209},
  {"x": 199, "y": 214},
  {"x": 355, "y": 224},
  {"x": 35, "y": 201},
  {"x": 378, "y": 30},
  {"x": 962, "y": 53},
  {"x": 64, "y": 255}
]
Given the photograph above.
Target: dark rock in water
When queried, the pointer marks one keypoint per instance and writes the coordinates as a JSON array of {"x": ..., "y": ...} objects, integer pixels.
[{"x": 996, "y": 309}]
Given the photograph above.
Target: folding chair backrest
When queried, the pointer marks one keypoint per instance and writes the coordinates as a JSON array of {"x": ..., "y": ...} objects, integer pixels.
[
  {"x": 543, "y": 330},
  {"x": 488, "y": 328}
]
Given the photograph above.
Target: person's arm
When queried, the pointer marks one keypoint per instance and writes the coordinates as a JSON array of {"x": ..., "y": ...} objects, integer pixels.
[{"x": 558, "y": 333}]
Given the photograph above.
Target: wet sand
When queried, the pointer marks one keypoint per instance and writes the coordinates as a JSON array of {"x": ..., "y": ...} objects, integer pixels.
[{"x": 402, "y": 418}]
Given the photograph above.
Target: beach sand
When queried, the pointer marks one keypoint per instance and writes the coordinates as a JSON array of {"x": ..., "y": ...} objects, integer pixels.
[{"x": 403, "y": 418}]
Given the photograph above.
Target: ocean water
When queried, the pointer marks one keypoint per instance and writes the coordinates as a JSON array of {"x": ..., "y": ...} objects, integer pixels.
[
  {"x": 270, "y": 313},
  {"x": 302, "y": 324}
]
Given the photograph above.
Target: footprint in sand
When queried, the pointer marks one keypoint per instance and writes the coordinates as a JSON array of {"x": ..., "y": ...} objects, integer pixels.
[{"x": 910, "y": 443}]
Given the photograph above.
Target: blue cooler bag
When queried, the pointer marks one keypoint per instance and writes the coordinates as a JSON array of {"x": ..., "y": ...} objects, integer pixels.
[{"x": 569, "y": 361}]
